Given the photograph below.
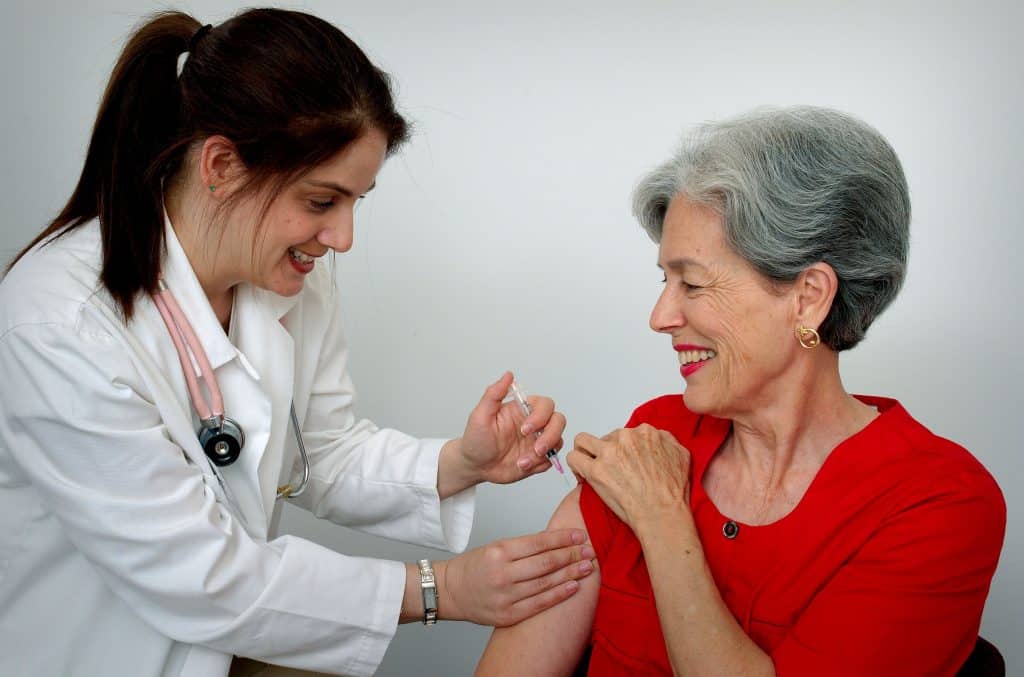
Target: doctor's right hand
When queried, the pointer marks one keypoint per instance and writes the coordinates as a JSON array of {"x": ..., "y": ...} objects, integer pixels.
[{"x": 507, "y": 581}]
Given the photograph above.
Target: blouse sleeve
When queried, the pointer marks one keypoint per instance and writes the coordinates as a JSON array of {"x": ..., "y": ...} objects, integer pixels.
[{"x": 910, "y": 600}]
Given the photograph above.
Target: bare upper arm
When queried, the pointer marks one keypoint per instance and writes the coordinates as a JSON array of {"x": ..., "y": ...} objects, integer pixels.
[{"x": 552, "y": 642}]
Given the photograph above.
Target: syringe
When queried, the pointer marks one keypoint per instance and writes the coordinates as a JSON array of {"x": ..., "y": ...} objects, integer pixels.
[{"x": 552, "y": 454}]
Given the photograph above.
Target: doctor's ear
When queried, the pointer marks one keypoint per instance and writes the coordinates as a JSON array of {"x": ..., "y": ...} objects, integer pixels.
[{"x": 220, "y": 167}]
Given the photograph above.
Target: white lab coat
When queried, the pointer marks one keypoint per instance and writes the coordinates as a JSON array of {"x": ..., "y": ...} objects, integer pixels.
[{"x": 120, "y": 553}]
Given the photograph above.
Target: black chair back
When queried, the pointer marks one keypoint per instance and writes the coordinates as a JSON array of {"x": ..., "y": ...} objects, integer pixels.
[{"x": 984, "y": 661}]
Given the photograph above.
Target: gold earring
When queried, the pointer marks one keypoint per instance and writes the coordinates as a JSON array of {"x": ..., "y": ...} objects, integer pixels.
[{"x": 807, "y": 337}]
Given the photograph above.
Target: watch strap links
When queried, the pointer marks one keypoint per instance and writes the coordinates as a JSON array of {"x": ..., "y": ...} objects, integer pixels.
[{"x": 429, "y": 587}]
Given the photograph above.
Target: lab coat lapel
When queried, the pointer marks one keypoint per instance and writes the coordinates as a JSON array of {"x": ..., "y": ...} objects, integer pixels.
[
  {"x": 267, "y": 348},
  {"x": 170, "y": 391}
]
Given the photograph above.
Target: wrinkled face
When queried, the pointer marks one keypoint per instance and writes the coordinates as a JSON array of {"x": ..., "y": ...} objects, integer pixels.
[
  {"x": 733, "y": 332},
  {"x": 310, "y": 217}
]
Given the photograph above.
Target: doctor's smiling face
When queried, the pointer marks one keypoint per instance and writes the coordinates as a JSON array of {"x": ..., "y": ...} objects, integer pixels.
[{"x": 310, "y": 217}]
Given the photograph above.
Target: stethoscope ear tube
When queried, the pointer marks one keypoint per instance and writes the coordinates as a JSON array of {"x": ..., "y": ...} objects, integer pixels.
[{"x": 286, "y": 491}]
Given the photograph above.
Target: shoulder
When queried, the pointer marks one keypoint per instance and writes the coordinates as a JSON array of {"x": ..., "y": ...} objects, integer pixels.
[
  {"x": 568, "y": 514},
  {"x": 54, "y": 281},
  {"x": 923, "y": 478},
  {"x": 666, "y": 408},
  {"x": 917, "y": 455},
  {"x": 670, "y": 413}
]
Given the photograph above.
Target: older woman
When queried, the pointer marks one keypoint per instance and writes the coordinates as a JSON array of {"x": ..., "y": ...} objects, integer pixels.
[{"x": 769, "y": 522}]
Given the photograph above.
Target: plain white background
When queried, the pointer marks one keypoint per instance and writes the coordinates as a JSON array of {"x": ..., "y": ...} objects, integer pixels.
[{"x": 501, "y": 237}]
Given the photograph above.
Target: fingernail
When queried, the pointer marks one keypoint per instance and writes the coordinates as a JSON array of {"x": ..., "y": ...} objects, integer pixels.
[
  {"x": 588, "y": 552},
  {"x": 540, "y": 449},
  {"x": 586, "y": 566},
  {"x": 526, "y": 429},
  {"x": 523, "y": 463},
  {"x": 577, "y": 537},
  {"x": 572, "y": 586}
]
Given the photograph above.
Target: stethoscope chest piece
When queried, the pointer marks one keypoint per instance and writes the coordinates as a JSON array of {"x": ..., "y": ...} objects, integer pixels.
[
  {"x": 222, "y": 444},
  {"x": 222, "y": 438}
]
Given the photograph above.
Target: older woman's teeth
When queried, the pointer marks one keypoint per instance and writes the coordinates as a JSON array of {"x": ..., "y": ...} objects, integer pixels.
[
  {"x": 299, "y": 256},
  {"x": 690, "y": 356}
]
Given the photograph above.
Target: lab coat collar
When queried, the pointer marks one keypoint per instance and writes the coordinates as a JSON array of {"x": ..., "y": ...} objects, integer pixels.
[
  {"x": 276, "y": 305},
  {"x": 179, "y": 277},
  {"x": 264, "y": 349}
]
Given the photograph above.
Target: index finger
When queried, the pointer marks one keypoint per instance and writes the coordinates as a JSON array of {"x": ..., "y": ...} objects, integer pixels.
[
  {"x": 541, "y": 410},
  {"x": 587, "y": 442},
  {"x": 527, "y": 546}
]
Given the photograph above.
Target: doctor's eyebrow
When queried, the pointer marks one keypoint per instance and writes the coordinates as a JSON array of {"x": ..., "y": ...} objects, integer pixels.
[{"x": 337, "y": 187}]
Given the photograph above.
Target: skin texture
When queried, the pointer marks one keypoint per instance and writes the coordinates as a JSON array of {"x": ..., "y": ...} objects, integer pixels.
[
  {"x": 788, "y": 409},
  {"x": 497, "y": 584},
  {"x": 552, "y": 642}
]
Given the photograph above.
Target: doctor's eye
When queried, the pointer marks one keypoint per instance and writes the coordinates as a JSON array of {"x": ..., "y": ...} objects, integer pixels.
[{"x": 321, "y": 206}]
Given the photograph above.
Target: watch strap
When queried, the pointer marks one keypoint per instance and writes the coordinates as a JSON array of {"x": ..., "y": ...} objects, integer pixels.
[{"x": 429, "y": 587}]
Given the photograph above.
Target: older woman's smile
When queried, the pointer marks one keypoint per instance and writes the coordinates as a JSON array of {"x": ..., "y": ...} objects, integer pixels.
[{"x": 692, "y": 358}]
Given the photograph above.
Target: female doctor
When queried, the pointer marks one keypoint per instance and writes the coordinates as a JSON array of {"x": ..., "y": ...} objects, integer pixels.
[{"x": 173, "y": 366}]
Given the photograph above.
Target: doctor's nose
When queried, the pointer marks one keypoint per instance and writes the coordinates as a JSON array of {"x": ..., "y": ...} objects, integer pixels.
[{"x": 339, "y": 234}]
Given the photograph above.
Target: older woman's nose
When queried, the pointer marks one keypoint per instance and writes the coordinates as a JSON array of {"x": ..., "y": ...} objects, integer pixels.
[{"x": 667, "y": 314}]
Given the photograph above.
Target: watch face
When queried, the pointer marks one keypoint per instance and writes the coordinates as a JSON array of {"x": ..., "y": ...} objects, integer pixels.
[{"x": 430, "y": 598}]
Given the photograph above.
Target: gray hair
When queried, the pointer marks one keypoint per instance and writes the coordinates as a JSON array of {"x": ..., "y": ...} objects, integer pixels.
[{"x": 796, "y": 186}]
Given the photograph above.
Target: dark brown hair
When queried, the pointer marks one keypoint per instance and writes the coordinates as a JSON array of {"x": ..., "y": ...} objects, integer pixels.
[{"x": 288, "y": 89}]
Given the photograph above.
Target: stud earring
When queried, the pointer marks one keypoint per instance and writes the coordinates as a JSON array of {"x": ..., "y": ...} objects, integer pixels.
[
  {"x": 807, "y": 337},
  {"x": 212, "y": 187}
]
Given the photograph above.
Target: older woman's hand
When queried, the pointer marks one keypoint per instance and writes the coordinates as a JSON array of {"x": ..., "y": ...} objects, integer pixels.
[{"x": 640, "y": 473}]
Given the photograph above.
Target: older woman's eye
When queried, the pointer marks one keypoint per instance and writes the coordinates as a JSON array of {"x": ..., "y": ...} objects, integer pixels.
[{"x": 691, "y": 287}]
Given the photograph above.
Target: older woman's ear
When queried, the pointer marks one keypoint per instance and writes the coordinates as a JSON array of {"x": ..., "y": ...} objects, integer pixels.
[{"x": 813, "y": 293}]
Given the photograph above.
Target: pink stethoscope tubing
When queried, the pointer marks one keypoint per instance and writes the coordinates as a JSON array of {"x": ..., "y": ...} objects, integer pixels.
[
  {"x": 185, "y": 343},
  {"x": 211, "y": 413}
]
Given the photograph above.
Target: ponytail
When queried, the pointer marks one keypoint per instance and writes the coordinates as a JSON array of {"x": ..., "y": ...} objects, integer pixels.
[
  {"x": 134, "y": 146},
  {"x": 288, "y": 89}
]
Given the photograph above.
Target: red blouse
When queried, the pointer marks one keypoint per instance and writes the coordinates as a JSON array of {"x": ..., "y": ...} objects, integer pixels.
[{"x": 881, "y": 569}]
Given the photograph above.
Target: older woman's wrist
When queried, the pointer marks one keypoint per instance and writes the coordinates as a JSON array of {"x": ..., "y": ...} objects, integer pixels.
[{"x": 655, "y": 525}]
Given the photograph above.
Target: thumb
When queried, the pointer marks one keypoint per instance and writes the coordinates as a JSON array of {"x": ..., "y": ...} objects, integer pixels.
[{"x": 494, "y": 395}]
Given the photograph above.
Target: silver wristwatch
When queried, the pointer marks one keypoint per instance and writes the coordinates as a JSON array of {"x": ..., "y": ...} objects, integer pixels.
[{"x": 429, "y": 592}]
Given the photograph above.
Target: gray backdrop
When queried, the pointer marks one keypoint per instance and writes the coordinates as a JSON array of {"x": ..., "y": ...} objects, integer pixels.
[{"x": 501, "y": 237}]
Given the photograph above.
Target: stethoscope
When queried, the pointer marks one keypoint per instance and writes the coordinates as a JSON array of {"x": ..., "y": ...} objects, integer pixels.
[{"x": 221, "y": 437}]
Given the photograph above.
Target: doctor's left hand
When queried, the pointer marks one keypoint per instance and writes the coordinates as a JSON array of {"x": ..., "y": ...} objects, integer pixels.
[{"x": 499, "y": 444}]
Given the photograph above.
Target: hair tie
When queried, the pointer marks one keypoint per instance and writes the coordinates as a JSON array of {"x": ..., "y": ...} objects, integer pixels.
[
  {"x": 192, "y": 42},
  {"x": 197, "y": 36}
]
